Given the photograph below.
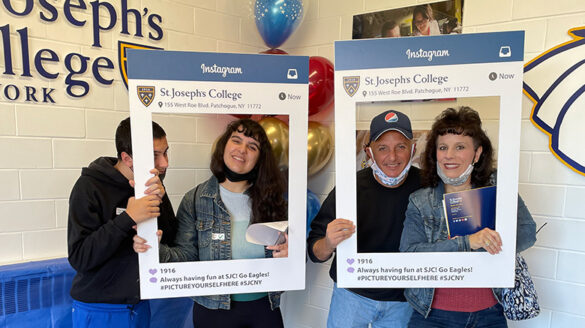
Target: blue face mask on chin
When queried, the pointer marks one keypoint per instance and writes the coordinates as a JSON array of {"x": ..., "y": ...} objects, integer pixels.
[
  {"x": 455, "y": 181},
  {"x": 386, "y": 180}
]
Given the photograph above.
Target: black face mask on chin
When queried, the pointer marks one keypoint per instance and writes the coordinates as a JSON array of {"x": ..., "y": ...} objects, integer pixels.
[{"x": 237, "y": 177}]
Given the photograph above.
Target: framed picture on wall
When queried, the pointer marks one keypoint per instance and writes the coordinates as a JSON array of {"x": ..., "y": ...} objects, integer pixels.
[{"x": 443, "y": 17}]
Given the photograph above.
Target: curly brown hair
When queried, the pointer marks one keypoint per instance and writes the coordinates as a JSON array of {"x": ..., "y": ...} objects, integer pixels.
[
  {"x": 461, "y": 121},
  {"x": 267, "y": 190}
]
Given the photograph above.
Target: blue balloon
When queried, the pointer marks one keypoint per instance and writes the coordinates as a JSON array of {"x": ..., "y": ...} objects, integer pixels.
[
  {"x": 276, "y": 20},
  {"x": 313, "y": 206}
]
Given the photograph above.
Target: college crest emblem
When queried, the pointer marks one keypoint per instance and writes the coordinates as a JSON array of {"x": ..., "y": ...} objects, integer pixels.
[
  {"x": 146, "y": 95},
  {"x": 122, "y": 57},
  {"x": 351, "y": 84}
]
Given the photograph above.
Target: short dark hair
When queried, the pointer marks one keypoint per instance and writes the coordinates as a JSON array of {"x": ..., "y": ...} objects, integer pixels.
[
  {"x": 387, "y": 26},
  {"x": 124, "y": 136},
  {"x": 461, "y": 121},
  {"x": 268, "y": 188}
]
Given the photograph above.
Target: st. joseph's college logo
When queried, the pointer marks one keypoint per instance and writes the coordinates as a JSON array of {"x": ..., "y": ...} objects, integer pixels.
[
  {"x": 145, "y": 94},
  {"x": 351, "y": 84}
]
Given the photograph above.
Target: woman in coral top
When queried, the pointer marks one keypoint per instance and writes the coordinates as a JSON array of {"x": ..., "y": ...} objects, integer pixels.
[{"x": 458, "y": 156}]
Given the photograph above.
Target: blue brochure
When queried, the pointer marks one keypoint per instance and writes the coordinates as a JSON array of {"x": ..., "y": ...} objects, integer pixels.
[{"x": 470, "y": 211}]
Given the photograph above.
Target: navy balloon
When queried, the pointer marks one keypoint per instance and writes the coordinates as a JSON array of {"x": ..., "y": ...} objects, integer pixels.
[
  {"x": 276, "y": 20},
  {"x": 313, "y": 206}
]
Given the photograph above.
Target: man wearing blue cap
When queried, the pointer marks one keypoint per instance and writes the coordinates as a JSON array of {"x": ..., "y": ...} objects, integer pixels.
[{"x": 382, "y": 197}]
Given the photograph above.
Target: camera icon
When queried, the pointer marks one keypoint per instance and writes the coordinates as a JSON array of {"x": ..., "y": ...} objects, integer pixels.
[{"x": 292, "y": 74}]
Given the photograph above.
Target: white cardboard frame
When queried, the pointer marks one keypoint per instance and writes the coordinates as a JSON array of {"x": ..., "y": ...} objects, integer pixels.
[
  {"x": 466, "y": 61},
  {"x": 260, "y": 90}
]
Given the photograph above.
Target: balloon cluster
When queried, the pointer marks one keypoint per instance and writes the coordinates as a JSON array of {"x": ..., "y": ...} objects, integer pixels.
[{"x": 276, "y": 20}]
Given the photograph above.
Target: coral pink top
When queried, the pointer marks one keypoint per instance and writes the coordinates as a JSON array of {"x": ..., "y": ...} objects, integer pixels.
[{"x": 463, "y": 299}]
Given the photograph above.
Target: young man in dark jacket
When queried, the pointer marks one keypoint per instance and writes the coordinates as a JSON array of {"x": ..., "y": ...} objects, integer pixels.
[{"x": 102, "y": 214}]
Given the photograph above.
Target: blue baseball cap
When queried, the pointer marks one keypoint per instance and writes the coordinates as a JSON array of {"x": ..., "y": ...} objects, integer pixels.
[{"x": 390, "y": 120}]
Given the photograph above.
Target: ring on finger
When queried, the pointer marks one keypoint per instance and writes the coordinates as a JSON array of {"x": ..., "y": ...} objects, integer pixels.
[{"x": 487, "y": 243}]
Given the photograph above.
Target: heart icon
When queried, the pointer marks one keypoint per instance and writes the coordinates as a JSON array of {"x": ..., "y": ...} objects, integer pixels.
[
  {"x": 350, "y": 270},
  {"x": 350, "y": 261},
  {"x": 152, "y": 271},
  {"x": 153, "y": 279}
]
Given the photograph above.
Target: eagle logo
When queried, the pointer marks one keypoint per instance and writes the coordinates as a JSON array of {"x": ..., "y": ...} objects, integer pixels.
[
  {"x": 122, "y": 59},
  {"x": 555, "y": 84}
]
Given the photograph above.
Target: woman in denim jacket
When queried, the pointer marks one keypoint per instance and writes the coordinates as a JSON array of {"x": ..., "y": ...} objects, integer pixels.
[
  {"x": 458, "y": 156},
  {"x": 246, "y": 187}
]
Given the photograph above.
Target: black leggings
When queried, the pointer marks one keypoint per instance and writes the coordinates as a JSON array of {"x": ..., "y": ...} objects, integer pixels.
[{"x": 252, "y": 314}]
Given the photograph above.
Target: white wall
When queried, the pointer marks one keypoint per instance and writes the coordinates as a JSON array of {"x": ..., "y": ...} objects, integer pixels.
[{"x": 44, "y": 146}]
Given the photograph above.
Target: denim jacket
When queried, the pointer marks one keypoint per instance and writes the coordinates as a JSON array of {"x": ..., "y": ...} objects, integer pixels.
[
  {"x": 198, "y": 221},
  {"x": 425, "y": 230}
]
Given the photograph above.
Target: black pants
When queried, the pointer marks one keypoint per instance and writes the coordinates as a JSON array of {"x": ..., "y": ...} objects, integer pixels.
[{"x": 252, "y": 314}]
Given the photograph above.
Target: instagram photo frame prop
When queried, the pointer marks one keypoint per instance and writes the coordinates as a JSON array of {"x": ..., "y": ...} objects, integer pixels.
[
  {"x": 184, "y": 83},
  {"x": 465, "y": 68}
]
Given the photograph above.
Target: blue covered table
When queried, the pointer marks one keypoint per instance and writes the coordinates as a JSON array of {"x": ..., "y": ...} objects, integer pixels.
[{"x": 36, "y": 294}]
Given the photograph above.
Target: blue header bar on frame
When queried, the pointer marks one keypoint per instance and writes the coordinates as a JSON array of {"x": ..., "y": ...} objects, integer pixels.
[
  {"x": 448, "y": 49},
  {"x": 212, "y": 66}
]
